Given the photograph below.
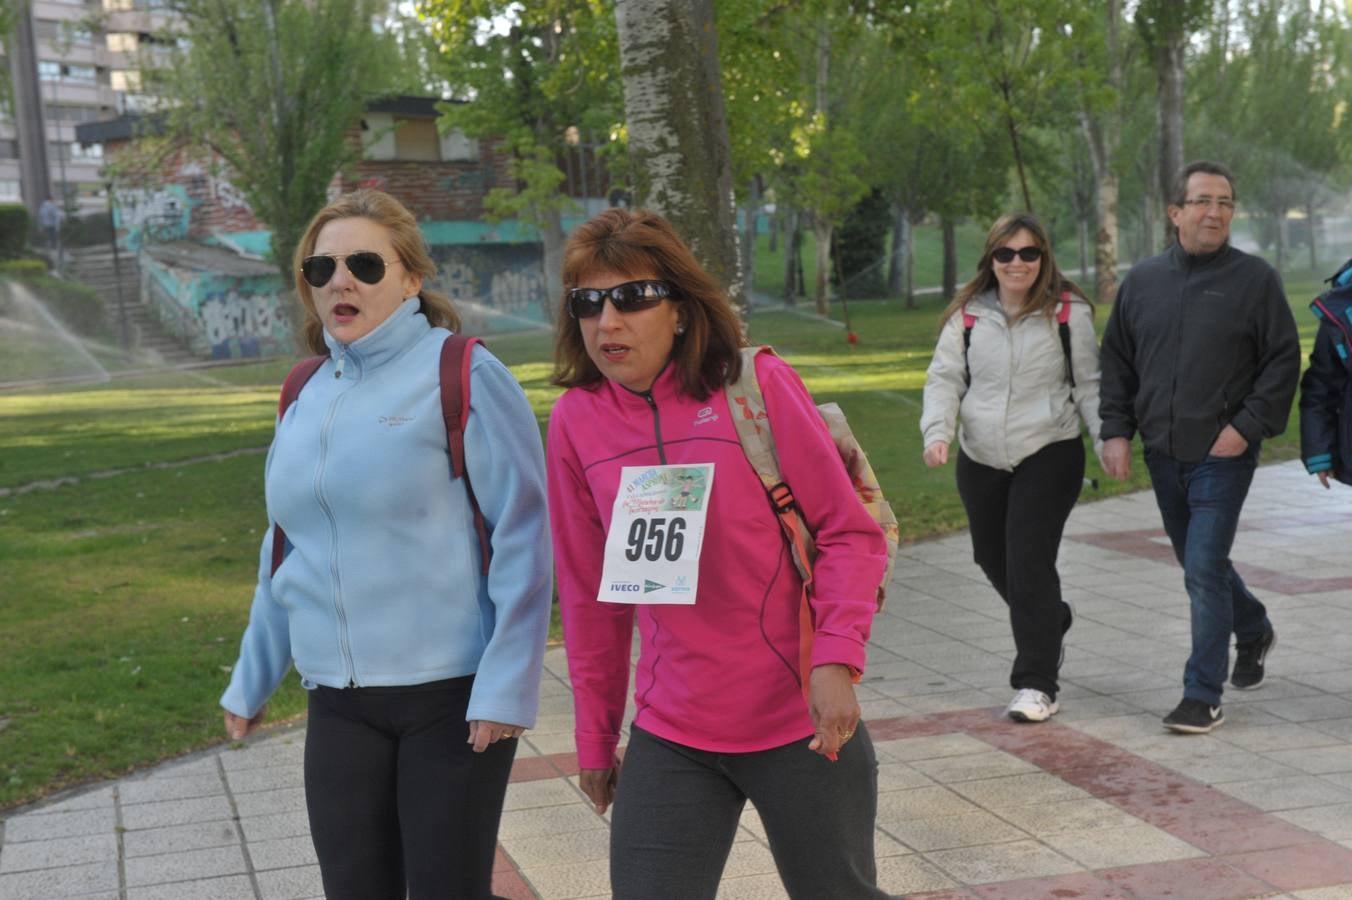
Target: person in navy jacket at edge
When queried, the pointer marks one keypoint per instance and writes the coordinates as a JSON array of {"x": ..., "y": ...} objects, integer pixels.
[{"x": 422, "y": 670}]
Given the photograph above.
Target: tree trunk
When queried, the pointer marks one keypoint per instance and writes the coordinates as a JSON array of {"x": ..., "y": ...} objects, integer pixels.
[
  {"x": 950, "y": 256},
  {"x": 678, "y": 134},
  {"x": 793, "y": 241},
  {"x": 1309, "y": 222},
  {"x": 1170, "y": 96},
  {"x": 895, "y": 269},
  {"x": 822, "y": 231},
  {"x": 753, "y": 202},
  {"x": 551, "y": 240},
  {"x": 1280, "y": 221},
  {"x": 776, "y": 223},
  {"x": 910, "y": 260},
  {"x": 1103, "y": 135}
]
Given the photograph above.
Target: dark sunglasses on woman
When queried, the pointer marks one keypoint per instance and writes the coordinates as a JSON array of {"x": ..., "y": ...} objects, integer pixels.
[
  {"x": 367, "y": 266},
  {"x": 632, "y": 296},
  {"x": 1004, "y": 255}
]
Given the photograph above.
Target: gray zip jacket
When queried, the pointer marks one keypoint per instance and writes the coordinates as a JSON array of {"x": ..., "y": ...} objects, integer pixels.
[{"x": 1019, "y": 400}]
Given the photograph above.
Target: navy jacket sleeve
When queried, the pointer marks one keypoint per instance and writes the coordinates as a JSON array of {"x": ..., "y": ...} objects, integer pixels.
[{"x": 1321, "y": 391}]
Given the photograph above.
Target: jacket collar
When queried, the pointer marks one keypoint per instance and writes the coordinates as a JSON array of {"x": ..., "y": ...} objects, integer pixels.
[
  {"x": 664, "y": 389},
  {"x": 1184, "y": 259},
  {"x": 385, "y": 342}
]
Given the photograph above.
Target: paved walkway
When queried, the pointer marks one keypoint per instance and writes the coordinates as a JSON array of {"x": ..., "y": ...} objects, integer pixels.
[{"x": 1101, "y": 802}]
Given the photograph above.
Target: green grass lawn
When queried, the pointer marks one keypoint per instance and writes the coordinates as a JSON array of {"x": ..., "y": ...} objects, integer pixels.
[{"x": 124, "y": 598}]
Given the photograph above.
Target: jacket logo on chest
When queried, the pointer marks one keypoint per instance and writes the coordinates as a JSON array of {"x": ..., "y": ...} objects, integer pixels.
[
  {"x": 394, "y": 421},
  {"x": 706, "y": 416}
]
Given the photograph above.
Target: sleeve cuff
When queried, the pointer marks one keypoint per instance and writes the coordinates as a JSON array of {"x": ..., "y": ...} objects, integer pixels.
[
  {"x": 596, "y": 752},
  {"x": 1321, "y": 463},
  {"x": 828, "y": 649}
]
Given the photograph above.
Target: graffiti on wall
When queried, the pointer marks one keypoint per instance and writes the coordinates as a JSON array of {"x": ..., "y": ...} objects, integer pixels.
[
  {"x": 143, "y": 214},
  {"x": 239, "y": 322},
  {"x": 495, "y": 287}
]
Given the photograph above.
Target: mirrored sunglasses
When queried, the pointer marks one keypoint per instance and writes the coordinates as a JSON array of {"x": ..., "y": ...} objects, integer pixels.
[
  {"x": 632, "y": 296},
  {"x": 367, "y": 266},
  {"x": 1004, "y": 255}
]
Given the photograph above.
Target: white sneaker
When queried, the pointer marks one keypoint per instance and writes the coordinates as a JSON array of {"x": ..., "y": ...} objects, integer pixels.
[{"x": 1029, "y": 705}]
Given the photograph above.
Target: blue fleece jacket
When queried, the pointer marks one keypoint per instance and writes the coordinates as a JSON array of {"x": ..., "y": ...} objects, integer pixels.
[{"x": 382, "y": 583}]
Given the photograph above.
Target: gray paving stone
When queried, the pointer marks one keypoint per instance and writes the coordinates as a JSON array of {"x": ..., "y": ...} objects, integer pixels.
[
  {"x": 67, "y": 851},
  {"x": 300, "y": 883},
  {"x": 177, "y": 838},
  {"x": 1333, "y": 822},
  {"x": 260, "y": 803},
  {"x": 1292, "y": 792},
  {"x": 555, "y": 849},
  {"x": 946, "y": 832},
  {"x": 969, "y": 767},
  {"x": 189, "y": 865},
  {"x": 546, "y": 792},
  {"x": 150, "y": 790},
  {"x": 45, "y": 826},
  {"x": 266, "y": 778},
  {"x": 282, "y": 853},
  {"x": 921, "y": 803},
  {"x": 1002, "y": 862},
  {"x": 1102, "y": 848},
  {"x": 1040, "y": 819},
  {"x": 175, "y": 812},
  {"x": 584, "y": 879},
  {"x": 1018, "y": 790},
  {"x": 292, "y": 823},
  {"x": 231, "y": 887},
  {"x": 68, "y": 880}
]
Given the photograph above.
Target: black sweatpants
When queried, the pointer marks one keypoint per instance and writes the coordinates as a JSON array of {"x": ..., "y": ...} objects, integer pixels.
[
  {"x": 1016, "y": 521},
  {"x": 398, "y": 801},
  {"x": 676, "y": 812}
]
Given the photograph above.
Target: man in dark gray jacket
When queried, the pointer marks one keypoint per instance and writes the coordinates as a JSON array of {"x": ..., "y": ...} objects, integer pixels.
[{"x": 1201, "y": 356}]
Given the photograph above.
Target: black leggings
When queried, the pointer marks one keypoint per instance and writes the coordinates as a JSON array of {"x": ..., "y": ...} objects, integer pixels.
[
  {"x": 399, "y": 803},
  {"x": 1016, "y": 520}
]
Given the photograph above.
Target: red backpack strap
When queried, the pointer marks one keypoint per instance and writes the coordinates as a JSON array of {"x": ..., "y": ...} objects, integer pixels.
[
  {"x": 296, "y": 379},
  {"x": 1063, "y": 331},
  {"x": 456, "y": 355}
]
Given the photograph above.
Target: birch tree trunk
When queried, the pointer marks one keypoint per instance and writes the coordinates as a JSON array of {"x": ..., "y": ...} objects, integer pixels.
[
  {"x": 551, "y": 237},
  {"x": 895, "y": 259},
  {"x": 822, "y": 229},
  {"x": 678, "y": 133},
  {"x": 1103, "y": 134},
  {"x": 793, "y": 240},
  {"x": 1170, "y": 96},
  {"x": 753, "y": 202}
]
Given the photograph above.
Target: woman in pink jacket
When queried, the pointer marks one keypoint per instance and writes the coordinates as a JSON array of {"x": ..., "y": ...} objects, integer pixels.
[{"x": 643, "y": 439}]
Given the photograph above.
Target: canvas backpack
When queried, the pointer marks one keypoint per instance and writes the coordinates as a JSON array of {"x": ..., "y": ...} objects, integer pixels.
[
  {"x": 456, "y": 352},
  {"x": 753, "y": 429},
  {"x": 1062, "y": 330}
]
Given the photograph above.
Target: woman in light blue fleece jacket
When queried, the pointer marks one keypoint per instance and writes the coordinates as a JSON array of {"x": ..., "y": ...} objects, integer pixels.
[{"x": 422, "y": 669}]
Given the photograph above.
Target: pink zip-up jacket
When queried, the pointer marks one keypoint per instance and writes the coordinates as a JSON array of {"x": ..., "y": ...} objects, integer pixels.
[{"x": 721, "y": 675}]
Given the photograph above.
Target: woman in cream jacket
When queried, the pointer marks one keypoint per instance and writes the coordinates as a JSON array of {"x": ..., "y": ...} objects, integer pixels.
[{"x": 1002, "y": 368}]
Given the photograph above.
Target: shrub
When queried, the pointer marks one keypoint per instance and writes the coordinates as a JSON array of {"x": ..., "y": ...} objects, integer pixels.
[
  {"x": 27, "y": 267},
  {"x": 15, "y": 226},
  {"x": 75, "y": 304},
  {"x": 87, "y": 231}
]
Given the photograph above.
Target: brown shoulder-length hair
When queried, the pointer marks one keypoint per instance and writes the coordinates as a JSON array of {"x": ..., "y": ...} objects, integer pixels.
[
  {"x": 1047, "y": 288},
  {"x": 407, "y": 241},
  {"x": 640, "y": 242}
]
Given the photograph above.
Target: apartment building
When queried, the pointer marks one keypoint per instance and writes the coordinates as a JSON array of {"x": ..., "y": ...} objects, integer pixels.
[{"x": 71, "y": 61}]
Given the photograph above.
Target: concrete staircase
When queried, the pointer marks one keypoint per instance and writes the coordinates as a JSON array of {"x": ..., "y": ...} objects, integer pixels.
[{"x": 94, "y": 266}]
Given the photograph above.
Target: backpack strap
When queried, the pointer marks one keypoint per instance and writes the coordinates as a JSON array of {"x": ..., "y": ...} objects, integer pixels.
[
  {"x": 968, "y": 323},
  {"x": 1063, "y": 329},
  {"x": 747, "y": 405},
  {"x": 456, "y": 355},
  {"x": 296, "y": 379}
]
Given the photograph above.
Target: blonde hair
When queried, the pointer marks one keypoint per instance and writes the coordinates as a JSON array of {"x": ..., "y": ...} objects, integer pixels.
[{"x": 382, "y": 209}]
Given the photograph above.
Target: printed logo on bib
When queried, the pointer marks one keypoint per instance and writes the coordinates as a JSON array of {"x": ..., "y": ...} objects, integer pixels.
[
  {"x": 706, "y": 416},
  {"x": 656, "y": 532}
]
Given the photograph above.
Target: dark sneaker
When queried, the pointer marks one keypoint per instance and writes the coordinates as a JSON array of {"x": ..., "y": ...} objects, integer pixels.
[
  {"x": 1194, "y": 717},
  {"x": 1249, "y": 659}
]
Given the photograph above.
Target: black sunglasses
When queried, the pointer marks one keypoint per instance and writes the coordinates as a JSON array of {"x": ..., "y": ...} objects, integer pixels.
[
  {"x": 367, "y": 266},
  {"x": 632, "y": 296},
  {"x": 1004, "y": 255}
]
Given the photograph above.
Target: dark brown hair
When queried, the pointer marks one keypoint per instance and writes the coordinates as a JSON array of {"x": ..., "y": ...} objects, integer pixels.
[
  {"x": 1046, "y": 289},
  {"x": 407, "y": 241},
  {"x": 1178, "y": 191},
  {"x": 641, "y": 242}
]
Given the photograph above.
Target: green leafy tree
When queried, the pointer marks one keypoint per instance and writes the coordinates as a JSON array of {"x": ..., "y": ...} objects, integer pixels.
[
  {"x": 270, "y": 87},
  {"x": 536, "y": 76}
]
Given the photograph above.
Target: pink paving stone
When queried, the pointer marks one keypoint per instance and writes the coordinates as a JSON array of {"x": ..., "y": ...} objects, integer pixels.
[
  {"x": 1242, "y": 834},
  {"x": 942, "y": 895},
  {"x": 1317, "y": 864},
  {"x": 1190, "y": 879},
  {"x": 510, "y": 885},
  {"x": 537, "y": 768},
  {"x": 1059, "y": 749},
  {"x": 1060, "y": 887},
  {"x": 501, "y": 861},
  {"x": 908, "y": 727},
  {"x": 1133, "y": 776},
  {"x": 1184, "y": 806}
]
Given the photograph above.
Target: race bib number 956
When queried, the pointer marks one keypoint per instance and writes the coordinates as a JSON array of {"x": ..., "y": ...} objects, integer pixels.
[{"x": 656, "y": 533}]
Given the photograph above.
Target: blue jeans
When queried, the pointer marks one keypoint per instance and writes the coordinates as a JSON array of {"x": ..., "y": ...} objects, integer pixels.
[{"x": 1200, "y": 504}]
